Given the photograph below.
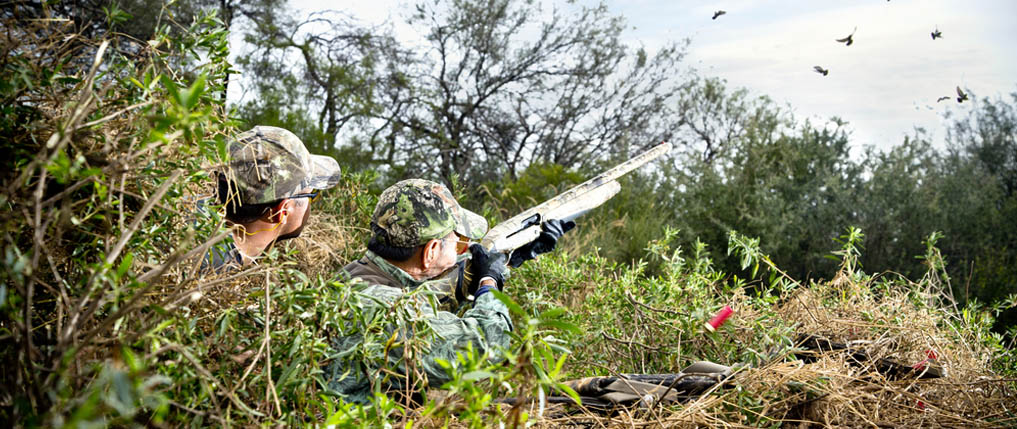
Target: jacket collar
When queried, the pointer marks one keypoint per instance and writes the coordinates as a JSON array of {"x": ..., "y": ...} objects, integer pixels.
[{"x": 401, "y": 277}]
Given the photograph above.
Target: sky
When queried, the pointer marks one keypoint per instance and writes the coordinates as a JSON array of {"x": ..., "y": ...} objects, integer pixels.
[{"x": 884, "y": 85}]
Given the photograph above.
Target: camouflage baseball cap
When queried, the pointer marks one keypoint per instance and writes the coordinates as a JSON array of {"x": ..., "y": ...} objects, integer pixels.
[
  {"x": 414, "y": 211},
  {"x": 269, "y": 163}
]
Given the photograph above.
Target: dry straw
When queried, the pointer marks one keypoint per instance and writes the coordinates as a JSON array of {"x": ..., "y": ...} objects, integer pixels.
[{"x": 883, "y": 321}]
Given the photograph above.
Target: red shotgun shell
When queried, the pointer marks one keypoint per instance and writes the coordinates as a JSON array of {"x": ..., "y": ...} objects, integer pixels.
[{"x": 719, "y": 319}]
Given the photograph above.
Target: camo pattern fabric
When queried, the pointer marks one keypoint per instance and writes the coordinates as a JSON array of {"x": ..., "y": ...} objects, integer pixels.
[
  {"x": 268, "y": 164},
  {"x": 414, "y": 211},
  {"x": 399, "y": 300}
]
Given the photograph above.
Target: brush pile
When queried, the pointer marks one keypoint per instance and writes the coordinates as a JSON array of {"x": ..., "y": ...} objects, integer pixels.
[{"x": 884, "y": 320}]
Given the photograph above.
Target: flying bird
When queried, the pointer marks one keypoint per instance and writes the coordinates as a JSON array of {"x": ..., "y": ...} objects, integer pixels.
[
  {"x": 718, "y": 13},
  {"x": 847, "y": 41},
  {"x": 961, "y": 96},
  {"x": 936, "y": 34},
  {"x": 943, "y": 98},
  {"x": 821, "y": 70}
]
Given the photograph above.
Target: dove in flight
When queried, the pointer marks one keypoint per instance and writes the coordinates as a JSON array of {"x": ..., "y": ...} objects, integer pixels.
[
  {"x": 961, "y": 96},
  {"x": 847, "y": 41}
]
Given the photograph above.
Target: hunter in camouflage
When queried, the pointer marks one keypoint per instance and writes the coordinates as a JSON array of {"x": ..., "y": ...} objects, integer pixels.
[
  {"x": 414, "y": 211},
  {"x": 268, "y": 164},
  {"x": 407, "y": 281},
  {"x": 265, "y": 187}
]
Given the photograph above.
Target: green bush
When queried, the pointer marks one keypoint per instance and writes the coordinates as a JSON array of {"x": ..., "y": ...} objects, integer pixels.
[{"x": 107, "y": 140}]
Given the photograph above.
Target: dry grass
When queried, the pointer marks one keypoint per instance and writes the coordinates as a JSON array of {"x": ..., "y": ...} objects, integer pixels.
[
  {"x": 327, "y": 243},
  {"x": 831, "y": 392}
]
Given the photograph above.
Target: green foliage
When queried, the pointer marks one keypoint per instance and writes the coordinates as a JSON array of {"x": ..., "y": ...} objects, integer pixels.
[
  {"x": 528, "y": 371},
  {"x": 92, "y": 181},
  {"x": 104, "y": 321},
  {"x": 744, "y": 164}
]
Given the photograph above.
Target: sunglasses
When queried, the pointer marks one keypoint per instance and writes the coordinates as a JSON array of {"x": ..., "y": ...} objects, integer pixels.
[
  {"x": 462, "y": 245},
  {"x": 312, "y": 196}
]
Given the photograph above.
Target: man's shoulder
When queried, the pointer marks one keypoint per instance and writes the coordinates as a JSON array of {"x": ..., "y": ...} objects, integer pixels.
[
  {"x": 368, "y": 272},
  {"x": 222, "y": 258}
]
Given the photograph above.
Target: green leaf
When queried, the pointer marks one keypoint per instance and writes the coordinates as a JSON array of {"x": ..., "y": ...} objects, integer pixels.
[
  {"x": 559, "y": 365},
  {"x": 546, "y": 358},
  {"x": 171, "y": 87},
  {"x": 192, "y": 96},
  {"x": 477, "y": 375},
  {"x": 512, "y": 306},
  {"x": 296, "y": 345},
  {"x": 568, "y": 391},
  {"x": 131, "y": 360},
  {"x": 224, "y": 322},
  {"x": 553, "y": 313},
  {"x": 562, "y": 326},
  {"x": 125, "y": 264},
  {"x": 122, "y": 398},
  {"x": 539, "y": 369},
  {"x": 287, "y": 373}
]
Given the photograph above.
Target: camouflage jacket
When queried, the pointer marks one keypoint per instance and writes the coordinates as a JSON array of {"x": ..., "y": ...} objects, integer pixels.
[{"x": 389, "y": 292}]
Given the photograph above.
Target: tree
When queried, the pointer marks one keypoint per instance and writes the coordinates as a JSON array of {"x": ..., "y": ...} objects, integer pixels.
[
  {"x": 979, "y": 189},
  {"x": 129, "y": 25},
  {"x": 317, "y": 76},
  {"x": 503, "y": 86}
]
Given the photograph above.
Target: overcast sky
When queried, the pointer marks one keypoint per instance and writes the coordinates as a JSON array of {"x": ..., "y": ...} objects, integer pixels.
[{"x": 884, "y": 84}]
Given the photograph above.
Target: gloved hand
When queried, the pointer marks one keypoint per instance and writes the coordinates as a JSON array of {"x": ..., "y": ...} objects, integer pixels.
[
  {"x": 551, "y": 231},
  {"x": 486, "y": 264}
]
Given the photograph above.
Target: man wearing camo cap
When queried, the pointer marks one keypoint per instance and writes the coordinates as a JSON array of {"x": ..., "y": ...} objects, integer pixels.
[
  {"x": 419, "y": 249},
  {"x": 267, "y": 188}
]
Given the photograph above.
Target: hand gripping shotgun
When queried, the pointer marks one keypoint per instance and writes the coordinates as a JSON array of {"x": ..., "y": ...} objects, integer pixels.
[{"x": 525, "y": 227}]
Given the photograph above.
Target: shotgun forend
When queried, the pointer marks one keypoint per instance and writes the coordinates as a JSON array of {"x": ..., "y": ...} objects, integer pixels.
[{"x": 526, "y": 226}]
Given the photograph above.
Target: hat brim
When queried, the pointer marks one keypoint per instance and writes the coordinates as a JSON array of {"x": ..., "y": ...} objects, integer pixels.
[
  {"x": 470, "y": 225},
  {"x": 324, "y": 174}
]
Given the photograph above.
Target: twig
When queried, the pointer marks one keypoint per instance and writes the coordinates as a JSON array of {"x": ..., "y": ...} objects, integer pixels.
[
  {"x": 157, "y": 271},
  {"x": 197, "y": 412},
  {"x": 629, "y": 343},
  {"x": 70, "y": 189},
  {"x": 257, "y": 357},
  {"x": 270, "y": 387},
  {"x": 62, "y": 136},
  {"x": 115, "y": 114},
  {"x": 30, "y": 351},
  {"x": 204, "y": 372},
  {"x": 633, "y": 301},
  {"x": 135, "y": 224}
]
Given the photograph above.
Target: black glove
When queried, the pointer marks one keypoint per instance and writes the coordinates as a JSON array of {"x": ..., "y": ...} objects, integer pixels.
[
  {"x": 551, "y": 231},
  {"x": 486, "y": 264}
]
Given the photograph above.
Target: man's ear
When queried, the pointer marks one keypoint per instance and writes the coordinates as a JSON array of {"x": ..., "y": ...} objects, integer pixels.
[
  {"x": 280, "y": 211},
  {"x": 429, "y": 253}
]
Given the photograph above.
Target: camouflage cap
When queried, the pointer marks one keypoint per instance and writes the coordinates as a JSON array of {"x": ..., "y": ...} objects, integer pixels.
[
  {"x": 414, "y": 211},
  {"x": 269, "y": 163}
]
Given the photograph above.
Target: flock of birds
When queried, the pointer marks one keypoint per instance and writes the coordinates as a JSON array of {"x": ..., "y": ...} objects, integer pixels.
[{"x": 847, "y": 41}]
